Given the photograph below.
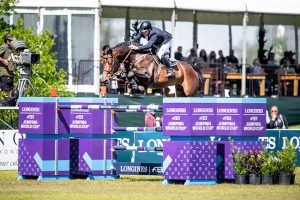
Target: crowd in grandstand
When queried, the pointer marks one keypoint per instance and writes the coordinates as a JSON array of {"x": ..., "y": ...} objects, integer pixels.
[{"x": 230, "y": 64}]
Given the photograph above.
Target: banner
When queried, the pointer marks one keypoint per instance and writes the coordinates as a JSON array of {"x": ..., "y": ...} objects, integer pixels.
[
  {"x": 9, "y": 140},
  {"x": 274, "y": 140}
]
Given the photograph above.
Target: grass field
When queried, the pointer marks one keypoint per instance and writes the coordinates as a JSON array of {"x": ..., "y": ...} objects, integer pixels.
[
  {"x": 294, "y": 127},
  {"x": 138, "y": 187}
]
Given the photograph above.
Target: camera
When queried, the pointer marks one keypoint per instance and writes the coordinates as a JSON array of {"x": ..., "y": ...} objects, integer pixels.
[{"x": 24, "y": 57}]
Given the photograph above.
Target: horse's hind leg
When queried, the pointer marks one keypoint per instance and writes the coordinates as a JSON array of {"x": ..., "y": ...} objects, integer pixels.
[
  {"x": 180, "y": 92},
  {"x": 190, "y": 88}
]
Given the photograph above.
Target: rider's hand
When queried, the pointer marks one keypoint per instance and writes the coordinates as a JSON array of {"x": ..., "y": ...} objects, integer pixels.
[
  {"x": 133, "y": 47},
  {"x": 5, "y": 62}
]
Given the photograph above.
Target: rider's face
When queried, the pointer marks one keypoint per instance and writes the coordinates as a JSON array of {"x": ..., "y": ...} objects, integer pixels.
[{"x": 146, "y": 32}]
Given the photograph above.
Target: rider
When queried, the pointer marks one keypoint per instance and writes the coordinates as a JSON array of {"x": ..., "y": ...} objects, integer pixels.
[{"x": 157, "y": 39}]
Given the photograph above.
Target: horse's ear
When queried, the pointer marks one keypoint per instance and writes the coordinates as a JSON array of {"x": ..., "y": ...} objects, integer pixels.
[{"x": 108, "y": 51}]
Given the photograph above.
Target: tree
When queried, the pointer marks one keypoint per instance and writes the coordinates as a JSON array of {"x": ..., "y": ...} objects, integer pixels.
[
  {"x": 261, "y": 42},
  {"x": 6, "y": 9},
  {"x": 46, "y": 74}
]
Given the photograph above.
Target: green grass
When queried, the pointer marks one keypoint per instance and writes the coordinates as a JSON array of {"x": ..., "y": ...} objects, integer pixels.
[
  {"x": 294, "y": 127},
  {"x": 138, "y": 187}
]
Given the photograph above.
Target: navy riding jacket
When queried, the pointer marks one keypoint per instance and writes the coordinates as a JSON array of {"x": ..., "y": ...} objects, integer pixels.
[{"x": 156, "y": 38}]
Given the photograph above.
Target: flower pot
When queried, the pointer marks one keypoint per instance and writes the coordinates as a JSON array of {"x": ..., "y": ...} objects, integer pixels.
[
  {"x": 254, "y": 179},
  {"x": 240, "y": 179},
  {"x": 275, "y": 179},
  {"x": 284, "y": 179},
  {"x": 267, "y": 179},
  {"x": 293, "y": 176}
]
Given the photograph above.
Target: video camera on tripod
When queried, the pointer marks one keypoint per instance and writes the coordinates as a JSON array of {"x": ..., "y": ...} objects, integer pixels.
[
  {"x": 24, "y": 58},
  {"x": 23, "y": 61}
]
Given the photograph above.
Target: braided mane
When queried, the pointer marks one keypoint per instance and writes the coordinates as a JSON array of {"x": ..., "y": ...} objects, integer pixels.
[{"x": 127, "y": 43}]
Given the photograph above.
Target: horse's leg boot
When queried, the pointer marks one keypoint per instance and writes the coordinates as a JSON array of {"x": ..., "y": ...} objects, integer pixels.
[{"x": 133, "y": 84}]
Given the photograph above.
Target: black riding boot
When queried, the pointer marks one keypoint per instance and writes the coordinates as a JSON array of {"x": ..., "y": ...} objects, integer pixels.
[{"x": 170, "y": 72}]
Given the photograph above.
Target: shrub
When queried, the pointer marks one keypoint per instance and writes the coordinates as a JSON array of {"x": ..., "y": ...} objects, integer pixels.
[
  {"x": 270, "y": 165},
  {"x": 239, "y": 165},
  {"x": 287, "y": 159},
  {"x": 254, "y": 161}
]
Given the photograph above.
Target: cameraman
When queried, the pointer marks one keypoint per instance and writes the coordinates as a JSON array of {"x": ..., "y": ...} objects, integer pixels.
[{"x": 6, "y": 67}]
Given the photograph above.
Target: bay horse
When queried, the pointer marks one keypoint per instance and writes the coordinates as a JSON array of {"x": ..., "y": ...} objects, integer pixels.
[{"x": 148, "y": 71}]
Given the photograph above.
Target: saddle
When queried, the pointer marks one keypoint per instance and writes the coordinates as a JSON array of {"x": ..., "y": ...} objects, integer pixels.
[{"x": 148, "y": 73}]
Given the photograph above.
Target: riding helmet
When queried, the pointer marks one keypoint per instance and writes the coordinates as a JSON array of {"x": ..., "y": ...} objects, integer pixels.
[{"x": 146, "y": 25}]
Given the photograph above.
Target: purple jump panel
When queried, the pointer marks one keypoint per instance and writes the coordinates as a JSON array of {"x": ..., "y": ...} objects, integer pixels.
[
  {"x": 45, "y": 157},
  {"x": 190, "y": 160},
  {"x": 225, "y": 170},
  {"x": 37, "y": 115},
  {"x": 214, "y": 117},
  {"x": 254, "y": 119},
  {"x": 229, "y": 118},
  {"x": 96, "y": 156},
  {"x": 86, "y": 121}
]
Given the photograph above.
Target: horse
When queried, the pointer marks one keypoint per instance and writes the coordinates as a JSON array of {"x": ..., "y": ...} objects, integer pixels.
[{"x": 148, "y": 71}]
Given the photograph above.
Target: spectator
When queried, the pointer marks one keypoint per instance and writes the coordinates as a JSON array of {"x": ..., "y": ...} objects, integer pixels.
[
  {"x": 202, "y": 60},
  {"x": 291, "y": 57},
  {"x": 232, "y": 60},
  {"x": 192, "y": 58},
  {"x": 288, "y": 68},
  {"x": 257, "y": 69},
  {"x": 212, "y": 59},
  {"x": 278, "y": 121},
  {"x": 285, "y": 58},
  {"x": 151, "y": 120},
  {"x": 271, "y": 59},
  {"x": 221, "y": 58},
  {"x": 6, "y": 67},
  {"x": 178, "y": 54}
]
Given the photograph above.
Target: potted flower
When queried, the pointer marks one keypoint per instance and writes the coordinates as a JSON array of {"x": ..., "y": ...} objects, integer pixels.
[
  {"x": 287, "y": 165},
  {"x": 239, "y": 167},
  {"x": 268, "y": 168},
  {"x": 254, "y": 160}
]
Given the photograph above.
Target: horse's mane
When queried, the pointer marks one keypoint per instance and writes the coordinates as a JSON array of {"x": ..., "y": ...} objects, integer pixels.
[{"x": 127, "y": 43}]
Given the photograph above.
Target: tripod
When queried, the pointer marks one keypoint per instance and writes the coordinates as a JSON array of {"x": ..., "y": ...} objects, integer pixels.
[{"x": 21, "y": 86}]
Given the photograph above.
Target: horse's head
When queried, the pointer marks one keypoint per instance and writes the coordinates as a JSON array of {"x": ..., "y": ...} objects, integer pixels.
[
  {"x": 110, "y": 64},
  {"x": 111, "y": 58}
]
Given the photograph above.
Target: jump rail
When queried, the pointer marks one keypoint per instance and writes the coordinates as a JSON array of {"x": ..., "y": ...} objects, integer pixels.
[
  {"x": 133, "y": 148},
  {"x": 137, "y": 128},
  {"x": 119, "y": 108}
]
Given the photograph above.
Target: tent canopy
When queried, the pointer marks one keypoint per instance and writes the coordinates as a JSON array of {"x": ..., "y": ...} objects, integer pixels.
[
  {"x": 206, "y": 12},
  {"x": 285, "y": 12}
]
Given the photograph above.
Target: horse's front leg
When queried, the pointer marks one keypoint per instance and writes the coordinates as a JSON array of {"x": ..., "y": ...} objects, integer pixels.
[{"x": 132, "y": 83}]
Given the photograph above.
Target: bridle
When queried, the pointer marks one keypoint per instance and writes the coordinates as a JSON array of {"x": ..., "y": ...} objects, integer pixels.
[{"x": 115, "y": 62}]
